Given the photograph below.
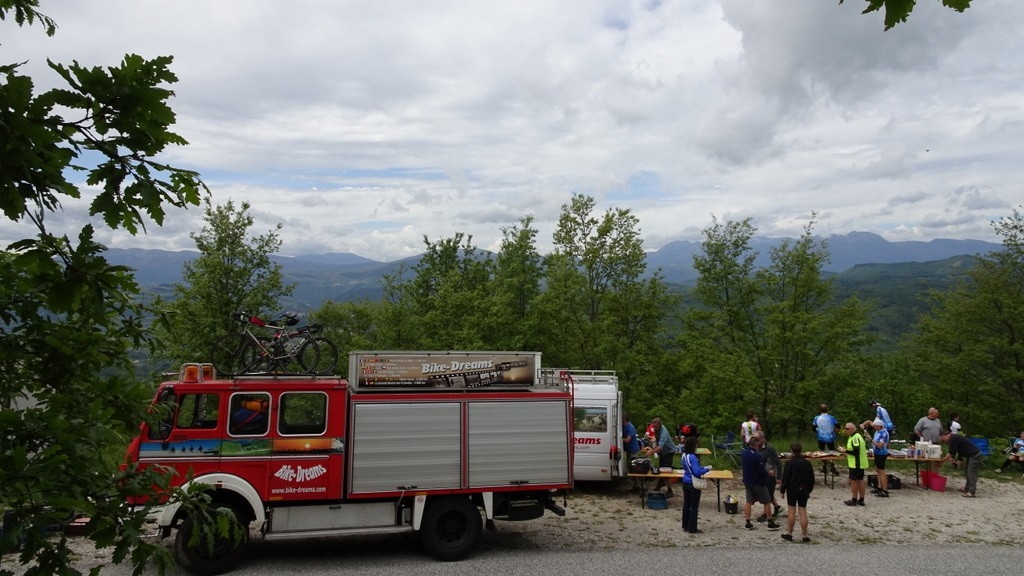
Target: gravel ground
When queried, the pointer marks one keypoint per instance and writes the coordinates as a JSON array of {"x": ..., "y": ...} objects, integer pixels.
[{"x": 608, "y": 516}]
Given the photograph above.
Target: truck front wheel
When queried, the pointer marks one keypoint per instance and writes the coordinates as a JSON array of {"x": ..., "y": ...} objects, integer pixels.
[
  {"x": 210, "y": 556},
  {"x": 451, "y": 528}
]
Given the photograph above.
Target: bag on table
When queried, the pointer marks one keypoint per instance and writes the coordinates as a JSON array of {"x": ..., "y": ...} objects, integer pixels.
[{"x": 640, "y": 466}]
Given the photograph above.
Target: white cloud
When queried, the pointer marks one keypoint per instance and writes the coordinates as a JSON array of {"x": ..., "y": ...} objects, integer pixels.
[{"x": 362, "y": 127}]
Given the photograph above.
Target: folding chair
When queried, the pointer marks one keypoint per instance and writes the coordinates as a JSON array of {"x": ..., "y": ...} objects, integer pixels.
[
  {"x": 729, "y": 445},
  {"x": 984, "y": 447},
  {"x": 1009, "y": 450},
  {"x": 720, "y": 442}
]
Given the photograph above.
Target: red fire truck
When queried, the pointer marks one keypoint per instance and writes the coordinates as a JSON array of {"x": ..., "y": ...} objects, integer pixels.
[{"x": 413, "y": 441}]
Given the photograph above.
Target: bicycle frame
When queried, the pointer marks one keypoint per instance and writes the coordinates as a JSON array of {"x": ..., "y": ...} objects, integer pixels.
[
  {"x": 274, "y": 352},
  {"x": 282, "y": 350}
]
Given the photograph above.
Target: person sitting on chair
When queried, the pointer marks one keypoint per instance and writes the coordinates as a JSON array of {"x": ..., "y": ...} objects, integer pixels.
[{"x": 1015, "y": 454}]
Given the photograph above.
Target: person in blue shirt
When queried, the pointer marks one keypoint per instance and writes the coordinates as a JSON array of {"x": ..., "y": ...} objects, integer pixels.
[
  {"x": 826, "y": 426},
  {"x": 630, "y": 442},
  {"x": 880, "y": 441},
  {"x": 666, "y": 451},
  {"x": 755, "y": 483},
  {"x": 691, "y": 496},
  {"x": 880, "y": 414}
]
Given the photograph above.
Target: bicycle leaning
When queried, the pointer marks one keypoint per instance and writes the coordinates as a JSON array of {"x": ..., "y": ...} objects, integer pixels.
[{"x": 276, "y": 349}]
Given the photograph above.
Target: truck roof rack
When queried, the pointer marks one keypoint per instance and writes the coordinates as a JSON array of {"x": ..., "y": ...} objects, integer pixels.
[
  {"x": 195, "y": 372},
  {"x": 578, "y": 376}
]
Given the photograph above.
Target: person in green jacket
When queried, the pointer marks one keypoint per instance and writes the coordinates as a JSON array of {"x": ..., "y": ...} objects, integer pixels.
[{"x": 857, "y": 460}]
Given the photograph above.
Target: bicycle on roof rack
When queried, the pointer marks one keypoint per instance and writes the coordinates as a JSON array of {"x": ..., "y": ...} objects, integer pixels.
[{"x": 274, "y": 349}]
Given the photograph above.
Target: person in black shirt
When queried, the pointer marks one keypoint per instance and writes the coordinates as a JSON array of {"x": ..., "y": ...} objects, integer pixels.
[
  {"x": 961, "y": 448},
  {"x": 796, "y": 487}
]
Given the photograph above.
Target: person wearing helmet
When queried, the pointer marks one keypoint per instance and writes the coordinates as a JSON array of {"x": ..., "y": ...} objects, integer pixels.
[
  {"x": 880, "y": 442},
  {"x": 880, "y": 414}
]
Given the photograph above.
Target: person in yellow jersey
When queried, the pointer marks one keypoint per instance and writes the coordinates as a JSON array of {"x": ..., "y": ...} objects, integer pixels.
[{"x": 857, "y": 460}]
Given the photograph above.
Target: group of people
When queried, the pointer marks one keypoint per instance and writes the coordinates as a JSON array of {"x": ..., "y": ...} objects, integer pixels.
[
  {"x": 657, "y": 445},
  {"x": 661, "y": 446},
  {"x": 879, "y": 429},
  {"x": 929, "y": 428},
  {"x": 763, "y": 472}
]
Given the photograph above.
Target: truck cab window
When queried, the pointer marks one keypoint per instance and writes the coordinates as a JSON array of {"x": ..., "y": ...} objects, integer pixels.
[
  {"x": 165, "y": 408},
  {"x": 303, "y": 413},
  {"x": 250, "y": 414},
  {"x": 198, "y": 411}
]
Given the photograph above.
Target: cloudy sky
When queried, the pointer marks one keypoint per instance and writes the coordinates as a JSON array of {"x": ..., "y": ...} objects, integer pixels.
[{"x": 363, "y": 126}]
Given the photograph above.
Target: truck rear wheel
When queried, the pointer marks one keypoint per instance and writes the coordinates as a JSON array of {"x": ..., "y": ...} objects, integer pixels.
[
  {"x": 451, "y": 528},
  {"x": 203, "y": 558}
]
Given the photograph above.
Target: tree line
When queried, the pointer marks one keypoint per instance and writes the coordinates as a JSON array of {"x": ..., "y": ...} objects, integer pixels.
[{"x": 772, "y": 339}]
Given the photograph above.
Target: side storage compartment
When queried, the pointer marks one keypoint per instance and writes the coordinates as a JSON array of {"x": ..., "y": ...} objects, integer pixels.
[
  {"x": 522, "y": 443},
  {"x": 408, "y": 444}
]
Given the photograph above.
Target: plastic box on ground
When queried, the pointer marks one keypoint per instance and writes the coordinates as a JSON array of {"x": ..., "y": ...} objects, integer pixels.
[
  {"x": 656, "y": 500},
  {"x": 926, "y": 478},
  {"x": 937, "y": 482}
]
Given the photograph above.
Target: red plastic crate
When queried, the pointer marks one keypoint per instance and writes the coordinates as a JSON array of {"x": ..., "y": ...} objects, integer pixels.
[{"x": 937, "y": 482}]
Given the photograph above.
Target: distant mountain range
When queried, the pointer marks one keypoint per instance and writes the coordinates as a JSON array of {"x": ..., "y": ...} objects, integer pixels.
[
  {"x": 848, "y": 250},
  {"x": 342, "y": 277}
]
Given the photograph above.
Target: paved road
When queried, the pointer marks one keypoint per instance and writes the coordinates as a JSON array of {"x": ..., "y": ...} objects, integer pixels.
[
  {"x": 791, "y": 559},
  {"x": 403, "y": 556}
]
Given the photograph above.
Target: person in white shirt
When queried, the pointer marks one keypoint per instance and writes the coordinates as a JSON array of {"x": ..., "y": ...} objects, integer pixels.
[
  {"x": 748, "y": 428},
  {"x": 954, "y": 422}
]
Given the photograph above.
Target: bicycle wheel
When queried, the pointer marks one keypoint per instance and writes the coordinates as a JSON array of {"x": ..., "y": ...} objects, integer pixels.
[
  {"x": 328, "y": 356},
  {"x": 233, "y": 354},
  {"x": 261, "y": 356},
  {"x": 303, "y": 354}
]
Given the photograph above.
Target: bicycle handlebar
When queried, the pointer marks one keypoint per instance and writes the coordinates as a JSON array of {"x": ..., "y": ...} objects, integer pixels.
[
  {"x": 289, "y": 319},
  {"x": 245, "y": 318}
]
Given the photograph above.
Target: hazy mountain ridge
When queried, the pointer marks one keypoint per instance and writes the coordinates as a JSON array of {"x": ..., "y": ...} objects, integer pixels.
[
  {"x": 846, "y": 251},
  {"x": 858, "y": 258}
]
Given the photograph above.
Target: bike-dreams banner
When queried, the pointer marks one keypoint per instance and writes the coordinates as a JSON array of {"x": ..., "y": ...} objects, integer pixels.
[{"x": 452, "y": 370}]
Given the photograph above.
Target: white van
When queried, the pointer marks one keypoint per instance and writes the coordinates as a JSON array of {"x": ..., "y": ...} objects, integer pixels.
[{"x": 597, "y": 417}]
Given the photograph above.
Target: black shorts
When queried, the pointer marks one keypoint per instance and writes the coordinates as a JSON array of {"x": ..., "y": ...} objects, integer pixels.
[
  {"x": 829, "y": 445},
  {"x": 797, "y": 498},
  {"x": 880, "y": 461},
  {"x": 856, "y": 474}
]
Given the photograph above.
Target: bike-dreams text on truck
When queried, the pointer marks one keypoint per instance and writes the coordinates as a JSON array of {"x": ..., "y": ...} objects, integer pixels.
[{"x": 433, "y": 442}]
